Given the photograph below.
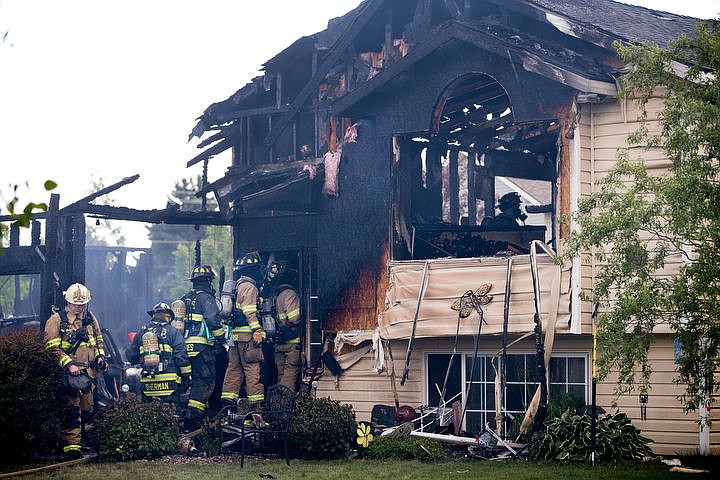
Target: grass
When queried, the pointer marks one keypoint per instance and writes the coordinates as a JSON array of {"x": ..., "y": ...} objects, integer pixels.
[{"x": 370, "y": 470}]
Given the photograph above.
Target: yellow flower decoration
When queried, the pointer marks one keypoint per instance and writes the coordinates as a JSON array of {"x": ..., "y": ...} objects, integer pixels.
[{"x": 364, "y": 435}]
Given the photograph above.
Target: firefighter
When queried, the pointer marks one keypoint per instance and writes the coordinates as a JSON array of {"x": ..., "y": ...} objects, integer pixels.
[
  {"x": 161, "y": 349},
  {"x": 288, "y": 328},
  {"x": 74, "y": 339},
  {"x": 245, "y": 354},
  {"x": 203, "y": 335},
  {"x": 510, "y": 214}
]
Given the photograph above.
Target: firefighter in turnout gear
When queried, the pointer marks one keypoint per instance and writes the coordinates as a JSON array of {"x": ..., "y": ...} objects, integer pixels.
[
  {"x": 161, "y": 349},
  {"x": 73, "y": 337},
  {"x": 245, "y": 354},
  {"x": 203, "y": 334},
  {"x": 287, "y": 336}
]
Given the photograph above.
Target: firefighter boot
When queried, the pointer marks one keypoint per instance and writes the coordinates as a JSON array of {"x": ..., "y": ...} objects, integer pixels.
[
  {"x": 191, "y": 422},
  {"x": 87, "y": 422},
  {"x": 257, "y": 420},
  {"x": 243, "y": 406}
]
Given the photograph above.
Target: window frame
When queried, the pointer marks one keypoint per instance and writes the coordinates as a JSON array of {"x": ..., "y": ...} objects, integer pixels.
[{"x": 487, "y": 409}]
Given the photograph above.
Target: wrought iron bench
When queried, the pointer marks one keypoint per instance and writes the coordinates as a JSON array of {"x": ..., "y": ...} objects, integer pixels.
[{"x": 262, "y": 430}]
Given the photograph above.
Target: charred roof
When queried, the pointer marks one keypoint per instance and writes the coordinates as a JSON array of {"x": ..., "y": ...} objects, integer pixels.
[{"x": 568, "y": 34}]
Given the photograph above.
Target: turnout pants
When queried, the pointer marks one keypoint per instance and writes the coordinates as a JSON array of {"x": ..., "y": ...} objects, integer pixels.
[
  {"x": 75, "y": 407},
  {"x": 287, "y": 361},
  {"x": 243, "y": 366},
  {"x": 202, "y": 384}
]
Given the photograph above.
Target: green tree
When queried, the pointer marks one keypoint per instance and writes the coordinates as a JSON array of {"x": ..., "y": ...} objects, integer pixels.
[
  {"x": 173, "y": 246},
  {"x": 21, "y": 214},
  {"x": 638, "y": 221},
  {"x": 216, "y": 251}
]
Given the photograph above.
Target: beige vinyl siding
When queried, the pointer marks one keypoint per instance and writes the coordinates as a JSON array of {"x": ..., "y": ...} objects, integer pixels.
[
  {"x": 673, "y": 432},
  {"x": 603, "y": 129},
  {"x": 715, "y": 427},
  {"x": 361, "y": 387}
]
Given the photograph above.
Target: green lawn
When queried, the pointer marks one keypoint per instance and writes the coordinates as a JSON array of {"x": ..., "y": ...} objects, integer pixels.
[{"x": 370, "y": 470}]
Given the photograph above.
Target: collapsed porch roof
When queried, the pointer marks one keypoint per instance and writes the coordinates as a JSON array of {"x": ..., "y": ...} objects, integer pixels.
[{"x": 272, "y": 185}]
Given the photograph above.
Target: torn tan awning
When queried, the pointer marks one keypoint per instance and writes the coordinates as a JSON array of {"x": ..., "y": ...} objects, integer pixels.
[{"x": 448, "y": 279}]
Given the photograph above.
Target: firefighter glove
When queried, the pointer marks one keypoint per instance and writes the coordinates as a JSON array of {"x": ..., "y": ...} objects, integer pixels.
[
  {"x": 258, "y": 337},
  {"x": 101, "y": 363}
]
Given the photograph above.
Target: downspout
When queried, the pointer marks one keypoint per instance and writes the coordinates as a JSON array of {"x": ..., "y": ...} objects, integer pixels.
[
  {"x": 703, "y": 413},
  {"x": 575, "y": 190}
]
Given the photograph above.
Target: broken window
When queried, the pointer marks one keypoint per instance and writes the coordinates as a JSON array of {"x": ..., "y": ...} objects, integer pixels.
[
  {"x": 449, "y": 183},
  {"x": 568, "y": 375}
]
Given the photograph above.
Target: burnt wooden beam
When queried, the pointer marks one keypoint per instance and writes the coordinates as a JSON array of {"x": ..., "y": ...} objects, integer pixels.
[
  {"x": 485, "y": 93},
  {"x": 14, "y": 236},
  {"x": 233, "y": 115},
  {"x": 488, "y": 197},
  {"x": 213, "y": 138},
  {"x": 472, "y": 205},
  {"x": 513, "y": 164},
  {"x": 454, "y": 188},
  {"x": 101, "y": 192},
  {"x": 78, "y": 248},
  {"x": 169, "y": 216},
  {"x": 35, "y": 233},
  {"x": 210, "y": 152},
  {"x": 336, "y": 52},
  {"x": 278, "y": 90},
  {"x": 457, "y": 102},
  {"x": 49, "y": 279},
  {"x": 479, "y": 116},
  {"x": 22, "y": 260}
]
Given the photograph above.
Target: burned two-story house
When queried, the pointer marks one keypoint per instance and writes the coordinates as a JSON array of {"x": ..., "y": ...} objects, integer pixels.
[{"x": 371, "y": 157}]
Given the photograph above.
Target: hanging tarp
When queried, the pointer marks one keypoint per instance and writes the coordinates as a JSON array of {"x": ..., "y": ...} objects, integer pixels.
[{"x": 448, "y": 279}]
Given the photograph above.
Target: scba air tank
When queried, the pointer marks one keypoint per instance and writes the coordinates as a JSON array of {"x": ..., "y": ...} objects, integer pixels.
[
  {"x": 178, "y": 308},
  {"x": 151, "y": 351},
  {"x": 227, "y": 298}
]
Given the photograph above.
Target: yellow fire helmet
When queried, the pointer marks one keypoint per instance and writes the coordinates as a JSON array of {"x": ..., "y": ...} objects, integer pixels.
[
  {"x": 202, "y": 271},
  {"x": 250, "y": 259},
  {"x": 78, "y": 294},
  {"x": 162, "y": 308}
]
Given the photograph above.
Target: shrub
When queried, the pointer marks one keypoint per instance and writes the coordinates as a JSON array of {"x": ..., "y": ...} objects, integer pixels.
[
  {"x": 211, "y": 436},
  {"x": 321, "y": 428},
  {"x": 567, "y": 439},
  {"x": 559, "y": 404},
  {"x": 130, "y": 430},
  {"x": 30, "y": 383},
  {"x": 392, "y": 447}
]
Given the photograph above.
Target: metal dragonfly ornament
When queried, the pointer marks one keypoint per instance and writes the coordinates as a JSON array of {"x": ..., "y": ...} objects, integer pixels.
[{"x": 471, "y": 300}]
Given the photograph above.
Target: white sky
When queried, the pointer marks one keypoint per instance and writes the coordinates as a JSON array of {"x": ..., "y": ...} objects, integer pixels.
[{"x": 105, "y": 89}]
